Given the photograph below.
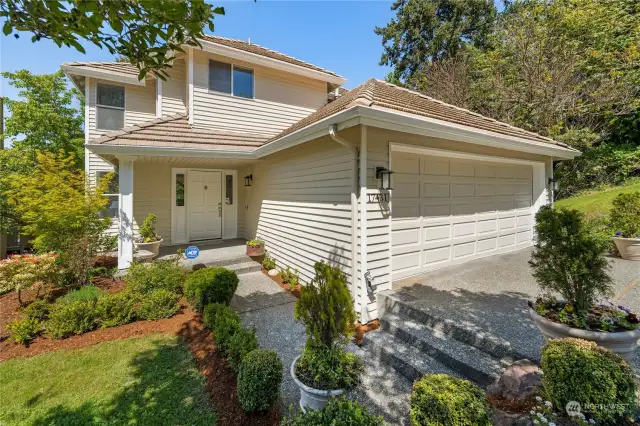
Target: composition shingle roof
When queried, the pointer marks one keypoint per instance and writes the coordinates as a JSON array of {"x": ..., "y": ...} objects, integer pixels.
[
  {"x": 118, "y": 67},
  {"x": 176, "y": 132},
  {"x": 263, "y": 51},
  {"x": 378, "y": 93}
]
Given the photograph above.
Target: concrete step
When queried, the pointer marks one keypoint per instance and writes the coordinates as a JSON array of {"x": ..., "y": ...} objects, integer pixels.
[
  {"x": 390, "y": 302},
  {"x": 244, "y": 267},
  {"x": 469, "y": 361},
  {"x": 408, "y": 360},
  {"x": 231, "y": 260}
]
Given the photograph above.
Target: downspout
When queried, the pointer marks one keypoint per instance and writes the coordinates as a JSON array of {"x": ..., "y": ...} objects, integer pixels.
[{"x": 354, "y": 208}]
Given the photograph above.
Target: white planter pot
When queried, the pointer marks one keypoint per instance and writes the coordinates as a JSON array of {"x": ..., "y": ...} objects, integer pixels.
[
  {"x": 314, "y": 399},
  {"x": 153, "y": 247},
  {"x": 629, "y": 248},
  {"x": 622, "y": 343}
]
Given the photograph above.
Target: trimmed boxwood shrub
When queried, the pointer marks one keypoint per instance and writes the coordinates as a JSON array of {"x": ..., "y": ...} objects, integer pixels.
[
  {"x": 259, "y": 380},
  {"x": 210, "y": 285},
  {"x": 142, "y": 278},
  {"x": 226, "y": 325},
  {"x": 240, "y": 344},
  {"x": 582, "y": 371},
  {"x": 339, "y": 411},
  {"x": 38, "y": 309},
  {"x": 66, "y": 319},
  {"x": 116, "y": 309},
  {"x": 440, "y": 399},
  {"x": 210, "y": 313},
  {"x": 158, "y": 304},
  {"x": 24, "y": 330}
]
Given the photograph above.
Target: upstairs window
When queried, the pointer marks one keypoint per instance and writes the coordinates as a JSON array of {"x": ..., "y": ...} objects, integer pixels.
[
  {"x": 110, "y": 107},
  {"x": 230, "y": 79}
]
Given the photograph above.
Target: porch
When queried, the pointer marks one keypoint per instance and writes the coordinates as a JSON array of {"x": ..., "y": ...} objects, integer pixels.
[
  {"x": 195, "y": 201},
  {"x": 212, "y": 253}
]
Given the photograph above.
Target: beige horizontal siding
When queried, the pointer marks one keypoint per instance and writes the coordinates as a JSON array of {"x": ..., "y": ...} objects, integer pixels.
[
  {"x": 300, "y": 205},
  {"x": 174, "y": 90},
  {"x": 281, "y": 99}
]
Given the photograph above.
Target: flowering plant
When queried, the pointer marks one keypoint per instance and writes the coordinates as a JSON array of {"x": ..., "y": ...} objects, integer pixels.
[
  {"x": 601, "y": 317},
  {"x": 28, "y": 270}
]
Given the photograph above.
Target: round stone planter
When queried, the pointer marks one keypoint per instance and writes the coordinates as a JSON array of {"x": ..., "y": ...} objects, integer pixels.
[
  {"x": 314, "y": 399},
  {"x": 629, "y": 248},
  {"x": 153, "y": 247},
  {"x": 255, "y": 251},
  {"x": 622, "y": 343}
]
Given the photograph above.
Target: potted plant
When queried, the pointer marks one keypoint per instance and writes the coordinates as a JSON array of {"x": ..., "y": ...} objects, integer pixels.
[
  {"x": 255, "y": 248},
  {"x": 625, "y": 221},
  {"x": 325, "y": 369},
  {"x": 148, "y": 239},
  {"x": 568, "y": 260}
]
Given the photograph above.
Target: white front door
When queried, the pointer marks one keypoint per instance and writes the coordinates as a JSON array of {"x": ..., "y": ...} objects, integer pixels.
[{"x": 204, "y": 198}]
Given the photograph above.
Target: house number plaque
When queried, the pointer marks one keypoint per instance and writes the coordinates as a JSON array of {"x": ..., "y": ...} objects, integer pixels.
[{"x": 378, "y": 198}]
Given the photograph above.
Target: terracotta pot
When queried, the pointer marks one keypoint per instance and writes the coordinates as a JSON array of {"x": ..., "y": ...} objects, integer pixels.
[
  {"x": 629, "y": 248},
  {"x": 622, "y": 343},
  {"x": 254, "y": 251},
  {"x": 153, "y": 247},
  {"x": 315, "y": 399}
]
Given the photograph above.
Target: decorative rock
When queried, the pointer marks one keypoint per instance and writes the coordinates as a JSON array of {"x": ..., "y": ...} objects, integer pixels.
[
  {"x": 272, "y": 272},
  {"x": 502, "y": 418},
  {"x": 198, "y": 266},
  {"x": 519, "y": 381}
]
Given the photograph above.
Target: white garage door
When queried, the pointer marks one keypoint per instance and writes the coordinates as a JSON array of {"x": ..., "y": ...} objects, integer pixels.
[{"x": 447, "y": 211}]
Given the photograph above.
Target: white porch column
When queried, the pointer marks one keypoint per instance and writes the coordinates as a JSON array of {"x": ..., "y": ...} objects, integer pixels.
[{"x": 125, "y": 230}]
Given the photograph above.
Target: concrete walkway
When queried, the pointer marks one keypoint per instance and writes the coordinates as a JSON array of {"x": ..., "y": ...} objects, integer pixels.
[{"x": 265, "y": 306}]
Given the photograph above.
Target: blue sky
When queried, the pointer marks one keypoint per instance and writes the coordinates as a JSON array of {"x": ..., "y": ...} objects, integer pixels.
[{"x": 334, "y": 35}]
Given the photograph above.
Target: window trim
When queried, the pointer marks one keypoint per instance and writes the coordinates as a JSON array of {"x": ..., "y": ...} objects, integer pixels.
[
  {"x": 96, "y": 180},
  {"x": 233, "y": 66},
  {"x": 123, "y": 109}
]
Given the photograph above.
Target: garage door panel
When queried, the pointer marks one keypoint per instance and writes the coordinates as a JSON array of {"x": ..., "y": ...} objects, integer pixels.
[
  {"x": 488, "y": 225},
  {"x": 462, "y": 168},
  {"x": 462, "y": 189},
  {"x": 406, "y": 189},
  {"x": 436, "y": 255},
  {"x": 409, "y": 164},
  {"x": 435, "y": 190},
  {"x": 436, "y": 210},
  {"x": 403, "y": 211},
  {"x": 457, "y": 210},
  {"x": 406, "y": 261},
  {"x": 464, "y": 229},
  {"x": 435, "y": 166},
  {"x": 406, "y": 236},
  {"x": 487, "y": 244},
  {"x": 437, "y": 232},
  {"x": 507, "y": 240},
  {"x": 464, "y": 249}
]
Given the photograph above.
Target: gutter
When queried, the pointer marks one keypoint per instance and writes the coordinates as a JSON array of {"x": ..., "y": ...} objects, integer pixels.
[{"x": 354, "y": 207}]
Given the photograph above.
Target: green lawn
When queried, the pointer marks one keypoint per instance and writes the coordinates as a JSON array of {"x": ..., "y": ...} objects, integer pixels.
[
  {"x": 143, "y": 381},
  {"x": 598, "y": 203}
]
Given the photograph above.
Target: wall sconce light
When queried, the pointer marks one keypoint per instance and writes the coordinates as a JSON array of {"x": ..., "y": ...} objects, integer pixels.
[
  {"x": 384, "y": 175},
  {"x": 553, "y": 184},
  {"x": 248, "y": 179}
]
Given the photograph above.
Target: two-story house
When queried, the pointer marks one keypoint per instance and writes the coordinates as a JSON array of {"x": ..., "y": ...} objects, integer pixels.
[{"x": 243, "y": 141}]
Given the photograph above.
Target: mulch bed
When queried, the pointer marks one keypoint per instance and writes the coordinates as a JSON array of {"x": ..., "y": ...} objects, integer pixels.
[
  {"x": 515, "y": 407},
  {"x": 361, "y": 329},
  {"x": 220, "y": 379}
]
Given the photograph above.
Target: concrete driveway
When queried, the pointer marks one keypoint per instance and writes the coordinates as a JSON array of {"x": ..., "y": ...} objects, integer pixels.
[{"x": 491, "y": 295}]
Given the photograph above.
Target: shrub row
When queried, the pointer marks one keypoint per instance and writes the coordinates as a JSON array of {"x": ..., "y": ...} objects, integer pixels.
[
  {"x": 259, "y": 371},
  {"x": 210, "y": 285},
  {"x": 151, "y": 293}
]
